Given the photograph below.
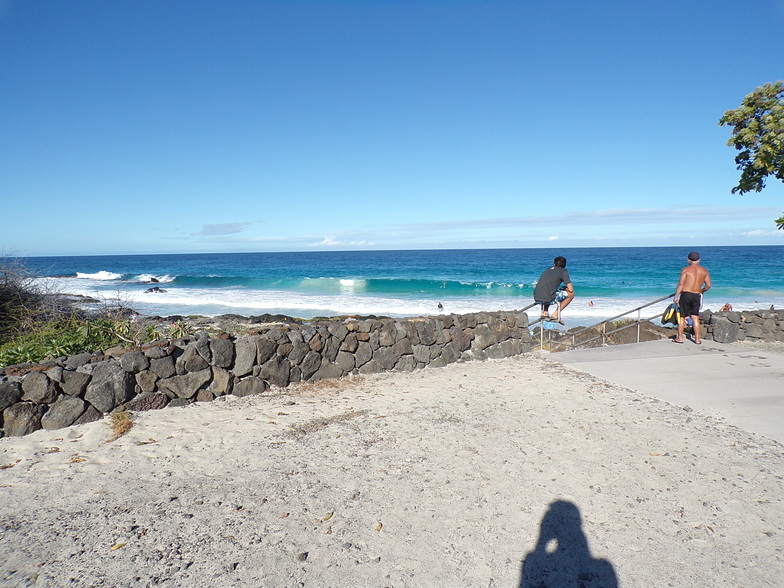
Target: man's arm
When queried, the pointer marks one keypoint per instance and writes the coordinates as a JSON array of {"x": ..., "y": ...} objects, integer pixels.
[
  {"x": 681, "y": 282},
  {"x": 707, "y": 283}
]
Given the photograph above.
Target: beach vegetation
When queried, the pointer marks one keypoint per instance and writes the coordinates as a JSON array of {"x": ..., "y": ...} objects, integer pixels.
[
  {"x": 758, "y": 134},
  {"x": 179, "y": 329},
  {"x": 56, "y": 338},
  {"x": 37, "y": 323},
  {"x": 21, "y": 298},
  {"x": 76, "y": 333},
  {"x": 120, "y": 423}
]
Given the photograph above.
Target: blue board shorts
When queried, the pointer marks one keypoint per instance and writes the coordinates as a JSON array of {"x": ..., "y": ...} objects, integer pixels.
[{"x": 560, "y": 295}]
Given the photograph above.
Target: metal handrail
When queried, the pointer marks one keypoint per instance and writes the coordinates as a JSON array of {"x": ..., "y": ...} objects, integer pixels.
[
  {"x": 602, "y": 324},
  {"x": 532, "y": 323}
]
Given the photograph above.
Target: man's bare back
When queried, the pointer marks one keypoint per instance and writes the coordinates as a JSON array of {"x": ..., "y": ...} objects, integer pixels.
[{"x": 692, "y": 279}]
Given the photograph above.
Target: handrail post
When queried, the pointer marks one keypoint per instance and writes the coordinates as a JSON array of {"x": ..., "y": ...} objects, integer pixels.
[
  {"x": 638, "y": 325},
  {"x": 541, "y": 336}
]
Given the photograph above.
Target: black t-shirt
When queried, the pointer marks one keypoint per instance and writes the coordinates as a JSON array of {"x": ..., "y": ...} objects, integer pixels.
[{"x": 549, "y": 282}]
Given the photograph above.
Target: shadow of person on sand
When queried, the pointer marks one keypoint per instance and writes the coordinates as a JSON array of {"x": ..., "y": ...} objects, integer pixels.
[{"x": 561, "y": 558}]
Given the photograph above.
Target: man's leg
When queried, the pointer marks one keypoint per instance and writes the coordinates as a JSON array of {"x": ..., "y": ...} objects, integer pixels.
[
  {"x": 560, "y": 305},
  {"x": 565, "y": 302},
  {"x": 681, "y": 326},
  {"x": 695, "y": 325}
]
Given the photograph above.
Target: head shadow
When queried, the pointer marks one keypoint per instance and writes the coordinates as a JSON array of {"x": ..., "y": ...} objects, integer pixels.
[{"x": 561, "y": 558}]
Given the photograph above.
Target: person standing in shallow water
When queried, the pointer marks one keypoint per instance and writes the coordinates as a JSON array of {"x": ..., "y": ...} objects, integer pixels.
[
  {"x": 695, "y": 281},
  {"x": 547, "y": 291}
]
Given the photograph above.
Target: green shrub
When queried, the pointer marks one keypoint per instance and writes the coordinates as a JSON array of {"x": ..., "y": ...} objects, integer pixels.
[
  {"x": 13, "y": 353},
  {"x": 58, "y": 338},
  {"x": 36, "y": 324}
]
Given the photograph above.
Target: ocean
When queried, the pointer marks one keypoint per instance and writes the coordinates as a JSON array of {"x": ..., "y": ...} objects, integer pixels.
[{"x": 607, "y": 281}]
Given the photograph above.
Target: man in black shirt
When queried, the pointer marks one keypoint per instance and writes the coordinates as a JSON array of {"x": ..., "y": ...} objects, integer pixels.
[{"x": 547, "y": 290}]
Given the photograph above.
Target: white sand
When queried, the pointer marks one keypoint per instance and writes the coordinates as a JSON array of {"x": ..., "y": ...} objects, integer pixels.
[{"x": 440, "y": 477}]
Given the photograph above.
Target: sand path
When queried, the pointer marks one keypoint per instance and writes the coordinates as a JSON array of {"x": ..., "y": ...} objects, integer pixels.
[{"x": 440, "y": 477}]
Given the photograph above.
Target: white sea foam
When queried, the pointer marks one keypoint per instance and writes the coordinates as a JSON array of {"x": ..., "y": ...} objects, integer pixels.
[
  {"x": 333, "y": 285},
  {"x": 150, "y": 278},
  {"x": 101, "y": 275},
  {"x": 243, "y": 301}
]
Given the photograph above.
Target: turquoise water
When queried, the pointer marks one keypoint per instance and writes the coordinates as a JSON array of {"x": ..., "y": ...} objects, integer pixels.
[{"x": 412, "y": 283}]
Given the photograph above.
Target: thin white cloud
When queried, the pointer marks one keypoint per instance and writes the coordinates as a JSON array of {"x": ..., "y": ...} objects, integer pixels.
[
  {"x": 765, "y": 233},
  {"x": 220, "y": 229},
  {"x": 625, "y": 226},
  {"x": 331, "y": 242},
  {"x": 610, "y": 216},
  {"x": 628, "y": 226}
]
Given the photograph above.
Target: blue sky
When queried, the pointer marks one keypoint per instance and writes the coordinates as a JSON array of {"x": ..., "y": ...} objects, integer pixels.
[{"x": 208, "y": 126}]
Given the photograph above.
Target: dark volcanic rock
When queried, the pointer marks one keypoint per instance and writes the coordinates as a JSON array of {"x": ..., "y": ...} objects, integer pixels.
[
  {"x": 222, "y": 351},
  {"x": 186, "y": 386},
  {"x": 193, "y": 360},
  {"x": 163, "y": 367},
  {"x": 249, "y": 386},
  {"x": 327, "y": 370},
  {"x": 88, "y": 416},
  {"x": 310, "y": 364},
  {"x": 276, "y": 371},
  {"x": 134, "y": 362},
  {"x": 155, "y": 352},
  {"x": 483, "y": 337},
  {"x": 345, "y": 361},
  {"x": 153, "y": 401},
  {"x": 245, "y": 356},
  {"x": 23, "y": 418},
  {"x": 265, "y": 349},
  {"x": 76, "y": 361},
  {"x": 385, "y": 357},
  {"x": 146, "y": 381},
  {"x": 38, "y": 387},
  {"x": 75, "y": 383},
  {"x": 363, "y": 354},
  {"x": 63, "y": 413},
  {"x": 460, "y": 339},
  {"x": 724, "y": 330},
  {"x": 221, "y": 381},
  {"x": 272, "y": 318},
  {"x": 110, "y": 386},
  {"x": 10, "y": 393}
]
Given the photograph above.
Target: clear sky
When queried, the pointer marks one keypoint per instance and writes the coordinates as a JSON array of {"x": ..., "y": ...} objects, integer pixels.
[{"x": 137, "y": 126}]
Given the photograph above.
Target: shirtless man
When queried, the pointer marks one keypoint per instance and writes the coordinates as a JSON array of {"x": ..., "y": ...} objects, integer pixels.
[{"x": 695, "y": 280}]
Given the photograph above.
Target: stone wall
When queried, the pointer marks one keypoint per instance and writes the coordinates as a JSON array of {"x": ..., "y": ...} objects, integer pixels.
[
  {"x": 82, "y": 388},
  {"x": 754, "y": 325}
]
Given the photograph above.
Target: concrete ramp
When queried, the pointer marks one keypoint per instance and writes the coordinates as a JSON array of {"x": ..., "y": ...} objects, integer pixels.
[{"x": 743, "y": 386}]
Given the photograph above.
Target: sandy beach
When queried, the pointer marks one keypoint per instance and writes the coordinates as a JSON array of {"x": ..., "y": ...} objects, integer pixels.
[{"x": 457, "y": 476}]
